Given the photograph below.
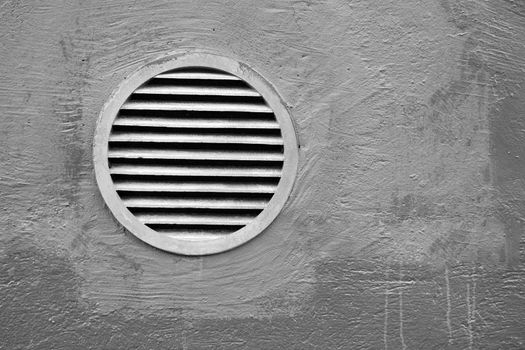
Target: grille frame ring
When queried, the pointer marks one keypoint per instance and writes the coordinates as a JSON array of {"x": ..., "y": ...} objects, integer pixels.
[{"x": 205, "y": 245}]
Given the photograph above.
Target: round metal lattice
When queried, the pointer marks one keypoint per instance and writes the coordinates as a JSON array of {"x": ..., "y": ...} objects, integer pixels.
[{"x": 195, "y": 154}]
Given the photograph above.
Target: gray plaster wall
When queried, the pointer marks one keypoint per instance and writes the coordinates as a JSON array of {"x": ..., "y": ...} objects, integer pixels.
[{"x": 404, "y": 229}]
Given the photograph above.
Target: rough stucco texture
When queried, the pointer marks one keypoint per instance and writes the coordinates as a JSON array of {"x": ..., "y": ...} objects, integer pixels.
[{"x": 404, "y": 229}]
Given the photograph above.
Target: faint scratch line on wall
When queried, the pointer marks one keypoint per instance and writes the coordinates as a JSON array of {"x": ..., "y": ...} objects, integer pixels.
[
  {"x": 401, "y": 320},
  {"x": 449, "y": 306},
  {"x": 184, "y": 340},
  {"x": 385, "y": 331},
  {"x": 473, "y": 314},
  {"x": 401, "y": 314},
  {"x": 469, "y": 318}
]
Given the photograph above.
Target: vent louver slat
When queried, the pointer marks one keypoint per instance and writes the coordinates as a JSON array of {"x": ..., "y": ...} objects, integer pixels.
[
  {"x": 194, "y": 186},
  {"x": 157, "y": 105},
  {"x": 197, "y": 74},
  {"x": 186, "y": 137},
  {"x": 195, "y": 153},
  {"x": 194, "y": 123},
  {"x": 137, "y": 153},
  {"x": 189, "y": 219},
  {"x": 195, "y": 90},
  {"x": 200, "y": 203},
  {"x": 181, "y": 170}
]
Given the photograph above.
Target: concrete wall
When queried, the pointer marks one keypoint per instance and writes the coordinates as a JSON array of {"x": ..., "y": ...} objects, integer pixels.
[{"x": 404, "y": 229}]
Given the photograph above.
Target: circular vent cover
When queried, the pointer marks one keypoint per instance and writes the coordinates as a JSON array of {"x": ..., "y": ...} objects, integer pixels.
[{"x": 195, "y": 154}]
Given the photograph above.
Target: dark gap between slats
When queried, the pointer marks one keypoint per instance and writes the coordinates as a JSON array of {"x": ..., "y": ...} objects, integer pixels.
[
  {"x": 195, "y": 195},
  {"x": 196, "y": 114},
  {"x": 198, "y": 69},
  {"x": 186, "y": 179},
  {"x": 197, "y": 83},
  {"x": 210, "y": 229},
  {"x": 197, "y": 146},
  {"x": 244, "y": 213},
  {"x": 196, "y": 98},
  {"x": 244, "y": 164},
  {"x": 204, "y": 131}
]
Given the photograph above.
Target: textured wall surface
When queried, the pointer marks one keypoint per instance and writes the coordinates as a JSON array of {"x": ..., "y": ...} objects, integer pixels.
[{"x": 404, "y": 229}]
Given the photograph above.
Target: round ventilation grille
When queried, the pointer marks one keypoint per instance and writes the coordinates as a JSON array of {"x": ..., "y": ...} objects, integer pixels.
[{"x": 195, "y": 154}]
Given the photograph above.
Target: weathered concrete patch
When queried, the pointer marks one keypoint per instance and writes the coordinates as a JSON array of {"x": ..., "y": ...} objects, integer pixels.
[{"x": 356, "y": 303}]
